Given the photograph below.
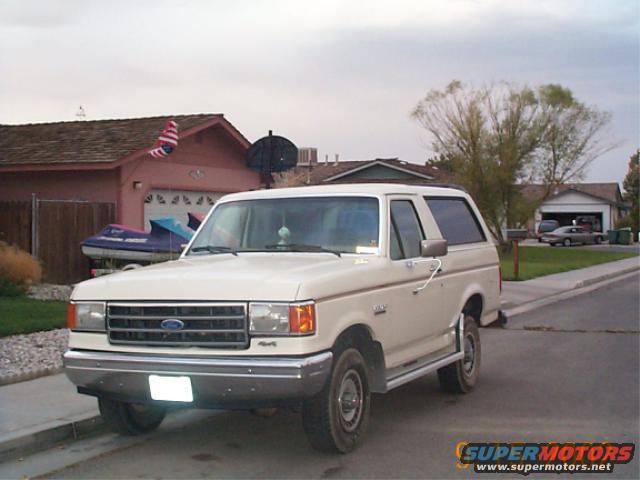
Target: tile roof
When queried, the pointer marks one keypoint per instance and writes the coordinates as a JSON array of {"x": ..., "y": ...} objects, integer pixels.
[
  {"x": 610, "y": 192},
  {"x": 87, "y": 141},
  {"x": 323, "y": 171}
]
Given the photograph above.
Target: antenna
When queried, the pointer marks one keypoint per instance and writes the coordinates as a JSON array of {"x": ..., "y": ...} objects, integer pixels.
[{"x": 80, "y": 114}]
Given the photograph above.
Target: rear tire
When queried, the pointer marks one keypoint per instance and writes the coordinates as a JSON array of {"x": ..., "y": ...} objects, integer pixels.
[
  {"x": 462, "y": 376},
  {"x": 130, "y": 418},
  {"x": 566, "y": 242},
  {"x": 337, "y": 418}
]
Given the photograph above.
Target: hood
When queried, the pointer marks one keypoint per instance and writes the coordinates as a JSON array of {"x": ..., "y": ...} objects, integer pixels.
[{"x": 249, "y": 276}]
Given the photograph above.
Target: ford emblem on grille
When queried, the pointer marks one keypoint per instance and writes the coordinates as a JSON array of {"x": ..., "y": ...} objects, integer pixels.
[{"x": 172, "y": 324}]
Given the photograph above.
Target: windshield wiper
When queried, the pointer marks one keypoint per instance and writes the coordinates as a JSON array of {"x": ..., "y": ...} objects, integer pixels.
[
  {"x": 215, "y": 249},
  {"x": 299, "y": 247}
]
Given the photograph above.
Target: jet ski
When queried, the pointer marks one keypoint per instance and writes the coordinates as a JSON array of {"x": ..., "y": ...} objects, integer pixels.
[{"x": 165, "y": 241}]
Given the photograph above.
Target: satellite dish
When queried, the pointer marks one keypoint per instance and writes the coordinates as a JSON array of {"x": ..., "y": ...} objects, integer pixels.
[{"x": 272, "y": 153}]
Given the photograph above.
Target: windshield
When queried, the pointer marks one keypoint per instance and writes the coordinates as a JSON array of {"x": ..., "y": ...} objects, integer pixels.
[{"x": 337, "y": 224}]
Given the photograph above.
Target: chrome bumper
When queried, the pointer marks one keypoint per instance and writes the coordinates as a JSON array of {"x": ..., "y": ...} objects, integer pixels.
[{"x": 227, "y": 382}]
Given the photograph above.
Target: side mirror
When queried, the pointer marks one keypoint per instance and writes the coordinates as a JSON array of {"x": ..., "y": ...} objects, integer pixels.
[{"x": 433, "y": 248}]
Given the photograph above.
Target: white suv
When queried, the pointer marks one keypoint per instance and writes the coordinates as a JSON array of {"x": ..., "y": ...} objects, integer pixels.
[{"x": 310, "y": 297}]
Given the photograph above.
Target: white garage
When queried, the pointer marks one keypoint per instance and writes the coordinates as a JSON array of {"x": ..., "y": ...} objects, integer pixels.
[
  {"x": 598, "y": 205},
  {"x": 177, "y": 204}
]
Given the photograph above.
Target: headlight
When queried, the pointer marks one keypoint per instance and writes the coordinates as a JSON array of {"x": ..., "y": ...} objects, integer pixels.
[
  {"x": 86, "y": 316},
  {"x": 282, "y": 318}
]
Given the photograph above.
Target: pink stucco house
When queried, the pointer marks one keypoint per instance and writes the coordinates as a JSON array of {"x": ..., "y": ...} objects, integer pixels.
[{"x": 107, "y": 161}]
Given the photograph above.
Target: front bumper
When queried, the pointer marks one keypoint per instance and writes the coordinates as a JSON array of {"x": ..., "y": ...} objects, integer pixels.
[{"x": 225, "y": 382}]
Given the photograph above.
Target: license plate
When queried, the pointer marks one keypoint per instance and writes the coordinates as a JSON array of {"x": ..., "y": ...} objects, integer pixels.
[{"x": 172, "y": 389}]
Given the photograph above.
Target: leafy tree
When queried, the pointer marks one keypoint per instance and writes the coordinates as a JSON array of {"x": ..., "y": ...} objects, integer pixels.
[
  {"x": 631, "y": 182},
  {"x": 499, "y": 137},
  {"x": 441, "y": 162},
  {"x": 631, "y": 187}
]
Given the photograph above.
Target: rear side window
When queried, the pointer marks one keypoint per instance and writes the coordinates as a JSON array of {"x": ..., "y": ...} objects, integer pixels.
[
  {"x": 406, "y": 232},
  {"x": 456, "y": 221}
]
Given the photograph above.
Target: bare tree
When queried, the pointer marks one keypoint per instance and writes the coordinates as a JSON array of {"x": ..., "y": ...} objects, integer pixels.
[
  {"x": 498, "y": 137},
  {"x": 572, "y": 139}
]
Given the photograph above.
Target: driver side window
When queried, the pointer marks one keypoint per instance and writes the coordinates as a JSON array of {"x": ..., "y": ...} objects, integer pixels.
[{"x": 406, "y": 231}]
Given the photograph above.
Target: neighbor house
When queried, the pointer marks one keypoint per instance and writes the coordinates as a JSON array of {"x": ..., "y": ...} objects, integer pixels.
[
  {"x": 107, "y": 161},
  {"x": 380, "y": 170}
]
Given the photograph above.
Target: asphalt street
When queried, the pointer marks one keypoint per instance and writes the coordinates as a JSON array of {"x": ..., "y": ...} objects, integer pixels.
[{"x": 565, "y": 372}]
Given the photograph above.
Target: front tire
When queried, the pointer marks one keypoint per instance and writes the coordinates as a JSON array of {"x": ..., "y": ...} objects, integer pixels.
[
  {"x": 566, "y": 242},
  {"x": 462, "y": 376},
  {"x": 337, "y": 418},
  {"x": 130, "y": 418}
]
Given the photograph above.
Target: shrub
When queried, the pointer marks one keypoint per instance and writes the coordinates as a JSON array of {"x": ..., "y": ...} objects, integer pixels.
[
  {"x": 18, "y": 270},
  {"x": 631, "y": 221},
  {"x": 8, "y": 289}
]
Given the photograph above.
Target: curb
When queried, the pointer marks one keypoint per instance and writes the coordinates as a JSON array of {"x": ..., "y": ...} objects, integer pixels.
[
  {"x": 579, "y": 289},
  {"x": 44, "y": 439},
  {"x": 29, "y": 375},
  {"x": 608, "y": 276},
  {"x": 580, "y": 284}
]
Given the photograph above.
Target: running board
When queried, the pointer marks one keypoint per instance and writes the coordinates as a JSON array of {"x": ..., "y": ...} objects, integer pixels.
[{"x": 425, "y": 369}]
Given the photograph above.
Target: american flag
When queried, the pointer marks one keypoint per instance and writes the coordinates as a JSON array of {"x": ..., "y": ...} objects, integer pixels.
[{"x": 167, "y": 141}]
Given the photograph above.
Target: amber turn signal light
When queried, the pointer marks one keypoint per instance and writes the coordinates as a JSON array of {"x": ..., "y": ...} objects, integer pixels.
[
  {"x": 302, "y": 319},
  {"x": 71, "y": 316}
]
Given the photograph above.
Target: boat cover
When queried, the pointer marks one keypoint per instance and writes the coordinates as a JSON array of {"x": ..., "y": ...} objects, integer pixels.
[{"x": 195, "y": 219}]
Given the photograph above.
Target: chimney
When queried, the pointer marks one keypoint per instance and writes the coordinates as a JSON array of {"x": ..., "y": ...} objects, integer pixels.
[{"x": 307, "y": 156}]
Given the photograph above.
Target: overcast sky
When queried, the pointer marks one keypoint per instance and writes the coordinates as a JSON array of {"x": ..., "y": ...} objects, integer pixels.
[{"x": 338, "y": 75}]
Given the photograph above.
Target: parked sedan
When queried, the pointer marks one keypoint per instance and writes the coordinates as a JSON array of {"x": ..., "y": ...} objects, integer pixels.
[
  {"x": 546, "y": 226},
  {"x": 568, "y": 236}
]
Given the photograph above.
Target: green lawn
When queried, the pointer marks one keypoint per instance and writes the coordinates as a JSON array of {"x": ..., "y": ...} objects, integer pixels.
[
  {"x": 25, "y": 315},
  {"x": 539, "y": 261}
]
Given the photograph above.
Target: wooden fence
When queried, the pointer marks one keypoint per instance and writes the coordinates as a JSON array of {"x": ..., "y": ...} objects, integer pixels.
[{"x": 52, "y": 231}]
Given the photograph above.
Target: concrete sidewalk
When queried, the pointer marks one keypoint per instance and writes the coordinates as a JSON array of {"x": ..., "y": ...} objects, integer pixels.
[
  {"x": 45, "y": 412},
  {"x": 518, "y": 293},
  {"x": 41, "y": 413}
]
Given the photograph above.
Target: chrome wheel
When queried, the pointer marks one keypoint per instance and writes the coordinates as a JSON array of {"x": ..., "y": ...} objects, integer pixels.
[
  {"x": 469, "y": 361},
  {"x": 350, "y": 397}
]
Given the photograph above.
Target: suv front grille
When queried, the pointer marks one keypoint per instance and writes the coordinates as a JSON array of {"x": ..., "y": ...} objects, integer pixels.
[{"x": 217, "y": 325}]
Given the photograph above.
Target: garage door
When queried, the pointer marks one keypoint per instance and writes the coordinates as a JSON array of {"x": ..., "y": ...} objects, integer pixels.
[{"x": 177, "y": 203}]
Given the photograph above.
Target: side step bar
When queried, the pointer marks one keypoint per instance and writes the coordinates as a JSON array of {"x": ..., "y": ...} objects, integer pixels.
[
  {"x": 434, "y": 365},
  {"x": 421, "y": 371}
]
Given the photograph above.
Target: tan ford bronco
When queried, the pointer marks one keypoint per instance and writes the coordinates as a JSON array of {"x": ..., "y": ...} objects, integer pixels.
[{"x": 311, "y": 297}]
